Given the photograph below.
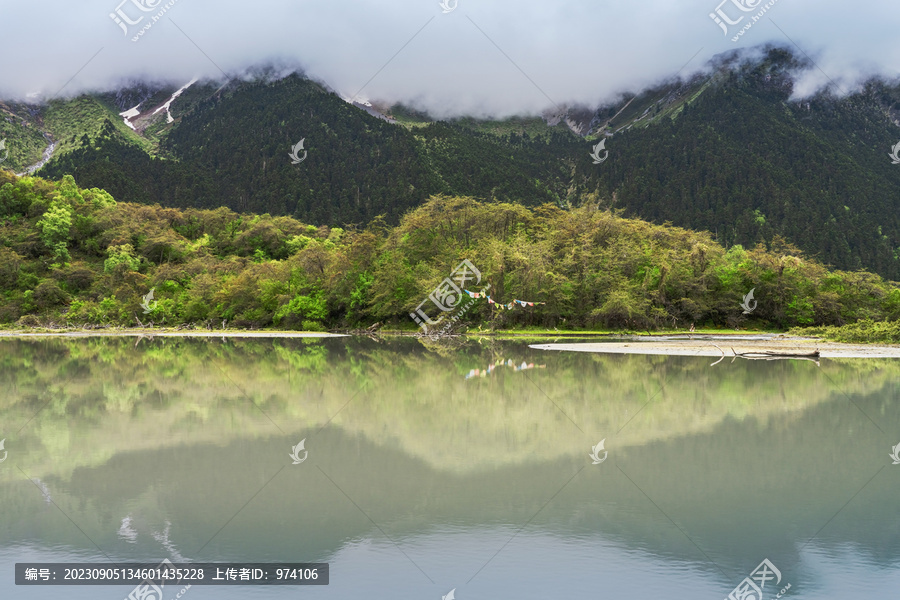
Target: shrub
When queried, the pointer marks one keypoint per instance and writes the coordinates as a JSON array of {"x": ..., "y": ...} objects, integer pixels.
[
  {"x": 121, "y": 259},
  {"x": 302, "y": 311},
  {"x": 15, "y": 199},
  {"x": 54, "y": 226},
  {"x": 311, "y": 326},
  {"x": 48, "y": 294}
]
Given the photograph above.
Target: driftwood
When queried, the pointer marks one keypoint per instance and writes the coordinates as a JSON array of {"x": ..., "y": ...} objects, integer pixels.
[
  {"x": 141, "y": 337},
  {"x": 370, "y": 332},
  {"x": 764, "y": 354},
  {"x": 812, "y": 356}
]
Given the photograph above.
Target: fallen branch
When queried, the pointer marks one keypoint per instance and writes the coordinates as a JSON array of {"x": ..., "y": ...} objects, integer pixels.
[
  {"x": 721, "y": 359},
  {"x": 770, "y": 354}
]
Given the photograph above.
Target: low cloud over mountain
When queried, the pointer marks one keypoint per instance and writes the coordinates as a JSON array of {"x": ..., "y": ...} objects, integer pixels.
[{"x": 476, "y": 58}]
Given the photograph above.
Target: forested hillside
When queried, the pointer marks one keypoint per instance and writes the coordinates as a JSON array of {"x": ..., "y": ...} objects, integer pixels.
[
  {"x": 71, "y": 256},
  {"x": 232, "y": 150},
  {"x": 731, "y": 153},
  {"x": 746, "y": 163}
]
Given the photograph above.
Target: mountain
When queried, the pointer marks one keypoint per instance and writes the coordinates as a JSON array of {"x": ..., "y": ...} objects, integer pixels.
[
  {"x": 744, "y": 161},
  {"x": 232, "y": 148},
  {"x": 731, "y": 152}
]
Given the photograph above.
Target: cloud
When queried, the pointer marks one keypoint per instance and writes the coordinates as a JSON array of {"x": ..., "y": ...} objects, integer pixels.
[{"x": 485, "y": 58}]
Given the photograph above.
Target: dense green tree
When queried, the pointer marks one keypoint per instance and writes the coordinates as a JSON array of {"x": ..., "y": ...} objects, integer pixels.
[
  {"x": 54, "y": 226},
  {"x": 582, "y": 268}
]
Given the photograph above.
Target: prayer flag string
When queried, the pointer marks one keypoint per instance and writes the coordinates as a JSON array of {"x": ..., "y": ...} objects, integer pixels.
[{"x": 509, "y": 306}]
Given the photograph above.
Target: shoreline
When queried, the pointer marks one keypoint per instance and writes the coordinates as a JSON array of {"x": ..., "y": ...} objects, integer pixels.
[
  {"x": 711, "y": 345},
  {"x": 722, "y": 346},
  {"x": 145, "y": 333}
]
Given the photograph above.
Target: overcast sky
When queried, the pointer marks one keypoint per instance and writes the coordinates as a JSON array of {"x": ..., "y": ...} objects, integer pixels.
[{"x": 496, "y": 57}]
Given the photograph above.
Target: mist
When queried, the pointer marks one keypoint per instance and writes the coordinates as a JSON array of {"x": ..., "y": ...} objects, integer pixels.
[{"x": 463, "y": 57}]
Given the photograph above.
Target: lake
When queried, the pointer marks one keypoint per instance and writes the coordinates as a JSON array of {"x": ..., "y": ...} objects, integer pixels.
[{"x": 464, "y": 465}]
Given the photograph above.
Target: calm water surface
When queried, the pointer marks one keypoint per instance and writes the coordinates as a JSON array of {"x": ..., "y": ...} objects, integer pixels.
[{"x": 433, "y": 467}]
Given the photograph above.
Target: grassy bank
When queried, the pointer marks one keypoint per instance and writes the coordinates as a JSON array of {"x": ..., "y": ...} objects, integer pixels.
[{"x": 865, "y": 331}]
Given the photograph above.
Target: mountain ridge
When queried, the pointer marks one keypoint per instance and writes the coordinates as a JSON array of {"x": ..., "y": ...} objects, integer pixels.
[{"x": 731, "y": 152}]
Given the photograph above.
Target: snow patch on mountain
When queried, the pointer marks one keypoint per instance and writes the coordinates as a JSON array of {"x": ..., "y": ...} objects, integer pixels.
[
  {"x": 129, "y": 114},
  {"x": 168, "y": 103}
]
